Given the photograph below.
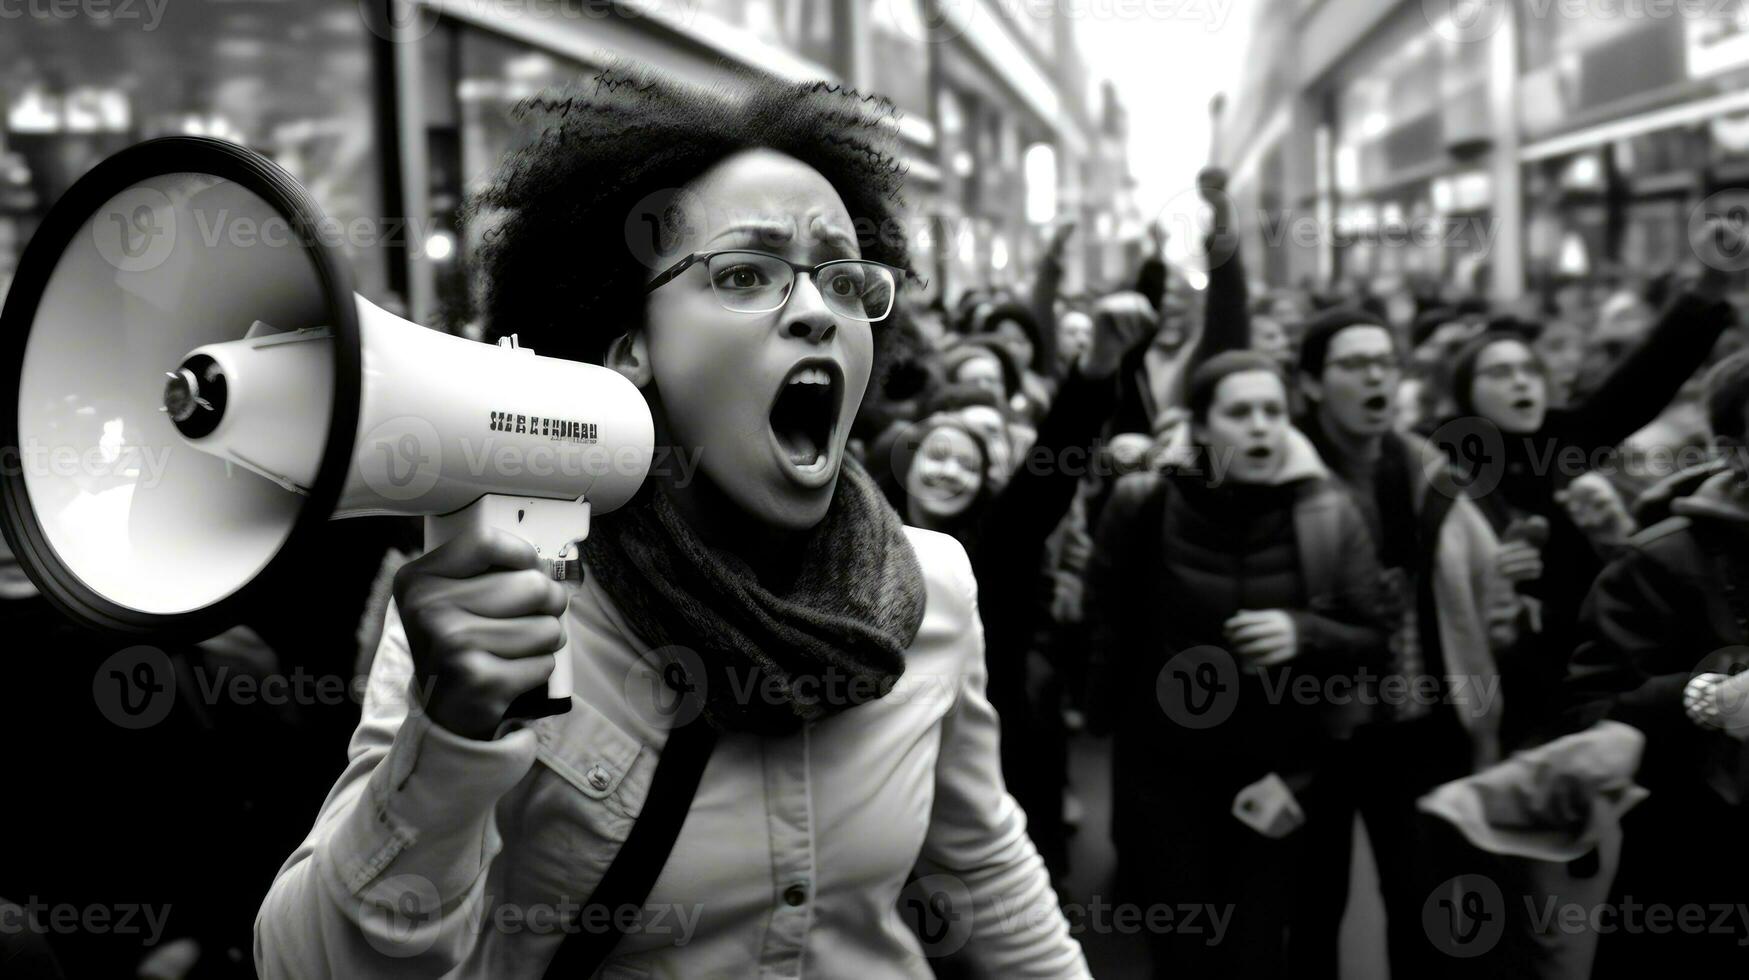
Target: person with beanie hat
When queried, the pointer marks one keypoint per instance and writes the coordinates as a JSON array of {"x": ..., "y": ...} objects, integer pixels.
[{"x": 1438, "y": 553}]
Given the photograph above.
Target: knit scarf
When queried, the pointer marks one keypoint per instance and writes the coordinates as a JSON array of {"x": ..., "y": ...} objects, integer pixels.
[{"x": 762, "y": 661}]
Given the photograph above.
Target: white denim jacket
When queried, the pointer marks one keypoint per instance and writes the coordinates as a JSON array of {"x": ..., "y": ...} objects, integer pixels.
[{"x": 436, "y": 855}]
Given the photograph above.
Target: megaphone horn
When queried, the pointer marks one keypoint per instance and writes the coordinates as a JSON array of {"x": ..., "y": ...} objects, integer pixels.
[{"x": 218, "y": 395}]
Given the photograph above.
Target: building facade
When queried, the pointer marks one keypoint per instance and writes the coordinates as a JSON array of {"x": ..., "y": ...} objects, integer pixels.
[
  {"x": 396, "y": 107},
  {"x": 1512, "y": 144}
]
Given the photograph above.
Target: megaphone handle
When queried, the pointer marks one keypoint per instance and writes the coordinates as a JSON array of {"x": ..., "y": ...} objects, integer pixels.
[{"x": 554, "y": 527}]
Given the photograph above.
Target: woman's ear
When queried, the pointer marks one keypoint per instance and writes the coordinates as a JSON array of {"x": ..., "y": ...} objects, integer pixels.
[{"x": 629, "y": 354}]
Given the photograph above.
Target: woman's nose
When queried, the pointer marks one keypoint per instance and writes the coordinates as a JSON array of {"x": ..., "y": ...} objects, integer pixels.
[{"x": 805, "y": 315}]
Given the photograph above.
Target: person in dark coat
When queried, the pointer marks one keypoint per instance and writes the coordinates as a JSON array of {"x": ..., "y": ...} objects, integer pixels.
[
  {"x": 1213, "y": 587},
  {"x": 1515, "y": 454},
  {"x": 1004, "y": 531},
  {"x": 1663, "y": 633}
]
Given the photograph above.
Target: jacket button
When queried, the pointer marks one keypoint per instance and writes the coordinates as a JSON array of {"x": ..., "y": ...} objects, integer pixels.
[
  {"x": 598, "y": 777},
  {"x": 795, "y": 895}
]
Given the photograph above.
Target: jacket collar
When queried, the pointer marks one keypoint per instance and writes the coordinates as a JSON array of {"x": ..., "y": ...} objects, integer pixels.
[{"x": 1722, "y": 497}]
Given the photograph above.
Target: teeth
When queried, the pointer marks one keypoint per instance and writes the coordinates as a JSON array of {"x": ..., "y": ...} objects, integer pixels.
[{"x": 810, "y": 376}]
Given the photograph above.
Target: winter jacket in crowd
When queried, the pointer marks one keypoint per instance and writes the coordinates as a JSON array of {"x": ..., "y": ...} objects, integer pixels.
[
  {"x": 1457, "y": 612},
  {"x": 1532, "y": 468},
  {"x": 1173, "y": 559}
]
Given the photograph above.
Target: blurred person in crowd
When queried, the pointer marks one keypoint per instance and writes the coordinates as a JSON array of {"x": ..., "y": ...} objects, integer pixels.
[
  {"x": 985, "y": 414},
  {"x": 1270, "y": 338},
  {"x": 1074, "y": 333},
  {"x": 803, "y": 809},
  {"x": 1153, "y": 279},
  {"x": 1562, "y": 348},
  {"x": 1015, "y": 328},
  {"x": 1438, "y": 554},
  {"x": 1004, "y": 528},
  {"x": 1249, "y": 565},
  {"x": 1664, "y": 647},
  {"x": 1515, "y": 453}
]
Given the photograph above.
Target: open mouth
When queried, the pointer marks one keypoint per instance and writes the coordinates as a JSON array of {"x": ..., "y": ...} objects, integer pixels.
[
  {"x": 1258, "y": 452},
  {"x": 1376, "y": 403},
  {"x": 804, "y": 417},
  {"x": 1524, "y": 404}
]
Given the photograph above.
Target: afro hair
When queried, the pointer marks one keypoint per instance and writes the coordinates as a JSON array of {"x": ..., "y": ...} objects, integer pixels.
[{"x": 567, "y": 215}]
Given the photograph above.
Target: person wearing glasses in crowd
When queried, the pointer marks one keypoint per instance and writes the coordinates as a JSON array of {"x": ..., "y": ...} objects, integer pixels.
[
  {"x": 1453, "y": 609},
  {"x": 828, "y": 660},
  {"x": 1517, "y": 454}
]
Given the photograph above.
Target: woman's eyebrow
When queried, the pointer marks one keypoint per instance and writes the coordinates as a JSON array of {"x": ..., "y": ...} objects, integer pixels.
[{"x": 768, "y": 231}]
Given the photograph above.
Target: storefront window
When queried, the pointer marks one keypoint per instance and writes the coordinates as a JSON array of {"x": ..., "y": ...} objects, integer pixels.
[
  {"x": 469, "y": 130},
  {"x": 292, "y": 81},
  {"x": 900, "y": 62}
]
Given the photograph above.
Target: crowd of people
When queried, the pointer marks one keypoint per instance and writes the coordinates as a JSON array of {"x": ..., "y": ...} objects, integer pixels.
[
  {"x": 1481, "y": 529},
  {"x": 1476, "y": 577}
]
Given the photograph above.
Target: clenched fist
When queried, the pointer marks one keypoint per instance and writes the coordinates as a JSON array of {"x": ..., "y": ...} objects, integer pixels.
[{"x": 483, "y": 621}]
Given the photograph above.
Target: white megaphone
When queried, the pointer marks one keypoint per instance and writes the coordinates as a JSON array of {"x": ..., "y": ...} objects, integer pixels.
[{"x": 198, "y": 386}]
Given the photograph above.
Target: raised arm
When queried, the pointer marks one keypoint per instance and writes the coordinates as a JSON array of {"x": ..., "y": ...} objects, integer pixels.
[
  {"x": 1645, "y": 382},
  {"x": 1047, "y": 285},
  {"x": 1039, "y": 492},
  {"x": 1226, "y": 321}
]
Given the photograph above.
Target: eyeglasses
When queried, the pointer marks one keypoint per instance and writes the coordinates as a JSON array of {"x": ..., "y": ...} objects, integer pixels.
[
  {"x": 759, "y": 282},
  {"x": 1360, "y": 363},
  {"x": 1507, "y": 370}
]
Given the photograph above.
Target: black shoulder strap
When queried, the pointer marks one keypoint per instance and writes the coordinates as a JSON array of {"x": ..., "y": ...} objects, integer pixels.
[{"x": 628, "y": 880}]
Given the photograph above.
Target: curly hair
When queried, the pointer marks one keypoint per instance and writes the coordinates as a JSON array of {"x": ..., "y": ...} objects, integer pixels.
[{"x": 559, "y": 259}]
